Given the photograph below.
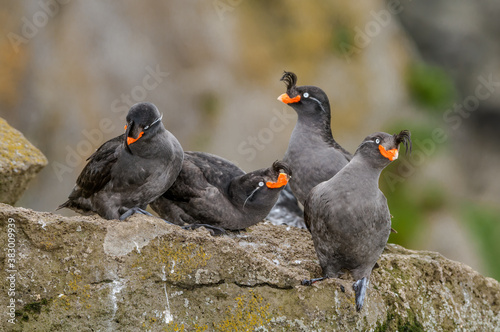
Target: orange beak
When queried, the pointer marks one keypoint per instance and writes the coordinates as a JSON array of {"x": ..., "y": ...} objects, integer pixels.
[
  {"x": 285, "y": 98},
  {"x": 131, "y": 140},
  {"x": 389, "y": 154},
  {"x": 282, "y": 181}
]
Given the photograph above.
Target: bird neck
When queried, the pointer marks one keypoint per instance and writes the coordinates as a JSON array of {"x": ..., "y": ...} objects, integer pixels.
[
  {"x": 161, "y": 143},
  {"x": 313, "y": 125},
  {"x": 365, "y": 171}
]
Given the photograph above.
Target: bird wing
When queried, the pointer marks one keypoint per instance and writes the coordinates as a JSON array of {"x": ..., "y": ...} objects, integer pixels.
[
  {"x": 307, "y": 219},
  {"x": 97, "y": 173},
  {"x": 201, "y": 173},
  {"x": 216, "y": 170}
]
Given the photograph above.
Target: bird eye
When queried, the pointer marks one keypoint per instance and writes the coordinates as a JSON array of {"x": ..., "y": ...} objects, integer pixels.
[
  {"x": 377, "y": 141},
  {"x": 261, "y": 184},
  {"x": 306, "y": 95}
]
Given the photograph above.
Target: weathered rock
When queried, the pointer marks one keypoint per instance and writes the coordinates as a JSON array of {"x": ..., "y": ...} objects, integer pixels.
[
  {"x": 20, "y": 161},
  {"x": 91, "y": 274}
]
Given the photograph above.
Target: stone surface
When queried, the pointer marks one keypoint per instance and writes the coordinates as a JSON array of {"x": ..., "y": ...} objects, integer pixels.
[
  {"x": 20, "y": 161},
  {"x": 90, "y": 274}
]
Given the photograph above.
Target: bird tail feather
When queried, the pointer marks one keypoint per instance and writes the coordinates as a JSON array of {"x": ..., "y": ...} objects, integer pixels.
[{"x": 64, "y": 205}]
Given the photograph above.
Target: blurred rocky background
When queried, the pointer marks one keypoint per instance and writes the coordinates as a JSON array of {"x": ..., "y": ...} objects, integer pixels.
[{"x": 70, "y": 70}]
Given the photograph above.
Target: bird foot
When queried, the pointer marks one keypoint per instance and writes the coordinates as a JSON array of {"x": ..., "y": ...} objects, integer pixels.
[
  {"x": 141, "y": 211},
  {"x": 309, "y": 282},
  {"x": 360, "y": 287},
  {"x": 214, "y": 231},
  {"x": 134, "y": 210}
]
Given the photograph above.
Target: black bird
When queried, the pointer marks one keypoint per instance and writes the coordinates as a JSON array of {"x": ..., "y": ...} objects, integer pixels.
[
  {"x": 212, "y": 190},
  {"x": 312, "y": 152},
  {"x": 128, "y": 172},
  {"x": 348, "y": 215}
]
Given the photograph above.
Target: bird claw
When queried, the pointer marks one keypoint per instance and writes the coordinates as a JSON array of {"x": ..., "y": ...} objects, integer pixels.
[
  {"x": 359, "y": 288},
  {"x": 306, "y": 282},
  {"x": 309, "y": 282},
  {"x": 134, "y": 210}
]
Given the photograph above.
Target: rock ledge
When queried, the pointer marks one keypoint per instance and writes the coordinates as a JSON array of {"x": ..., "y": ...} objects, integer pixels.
[{"x": 90, "y": 274}]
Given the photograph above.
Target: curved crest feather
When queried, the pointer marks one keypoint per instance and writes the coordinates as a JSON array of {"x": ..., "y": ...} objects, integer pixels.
[
  {"x": 290, "y": 79},
  {"x": 281, "y": 166},
  {"x": 404, "y": 137}
]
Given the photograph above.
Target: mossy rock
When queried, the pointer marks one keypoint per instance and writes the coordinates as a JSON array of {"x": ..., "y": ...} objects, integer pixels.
[
  {"x": 20, "y": 161},
  {"x": 89, "y": 274}
]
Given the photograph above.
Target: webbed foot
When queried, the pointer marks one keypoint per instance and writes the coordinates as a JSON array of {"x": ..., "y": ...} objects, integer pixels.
[
  {"x": 309, "y": 282},
  {"x": 134, "y": 210}
]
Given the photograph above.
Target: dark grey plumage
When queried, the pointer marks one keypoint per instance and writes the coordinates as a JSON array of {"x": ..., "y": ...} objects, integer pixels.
[
  {"x": 128, "y": 172},
  {"x": 312, "y": 151},
  {"x": 212, "y": 190},
  {"x": 348, "y": 215}
]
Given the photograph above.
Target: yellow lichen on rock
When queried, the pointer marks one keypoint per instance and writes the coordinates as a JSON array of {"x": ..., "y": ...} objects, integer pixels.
[
  {"x": 249, "y": 313},
  {"x": 20, "y": 161},
  {"x": 177, "y": 259}
]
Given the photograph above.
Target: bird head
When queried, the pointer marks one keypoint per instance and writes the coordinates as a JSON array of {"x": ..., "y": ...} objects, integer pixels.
[
  {"x": 382, "y": 148},
  {"x": 280, "y": 174},
  {"x": 143, "y": 121},
  {"x": 260, "y": 189},
  {"x": 306, "y": 99}
]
